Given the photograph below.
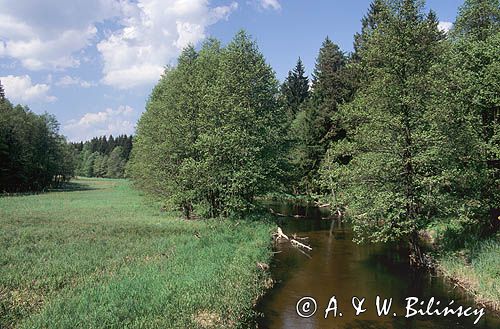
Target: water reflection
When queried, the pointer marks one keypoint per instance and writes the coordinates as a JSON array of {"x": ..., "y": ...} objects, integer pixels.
[{"x": 338, "y": 267}]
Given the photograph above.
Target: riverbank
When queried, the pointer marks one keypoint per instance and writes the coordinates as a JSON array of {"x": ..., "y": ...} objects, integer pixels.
[
  {"x": 476, "y": 269},
  {"x": 96, "y": 255}
]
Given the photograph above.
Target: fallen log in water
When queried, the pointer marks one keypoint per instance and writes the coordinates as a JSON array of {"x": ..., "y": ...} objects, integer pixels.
[
  {"x": 283, "y": 215},
  {"x": 280, "y": 235}
]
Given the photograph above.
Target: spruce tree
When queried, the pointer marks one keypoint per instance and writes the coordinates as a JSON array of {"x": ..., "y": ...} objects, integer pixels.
[
  {"x": 368, "y": 24},
  {"x": 316, "y": 126},
  {"x": 295, "y": 90}
]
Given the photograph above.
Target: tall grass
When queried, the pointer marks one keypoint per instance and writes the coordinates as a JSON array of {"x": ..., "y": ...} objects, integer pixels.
[
  {"x": 97, "y": 256},
  {"x": 477, "y": 268}
]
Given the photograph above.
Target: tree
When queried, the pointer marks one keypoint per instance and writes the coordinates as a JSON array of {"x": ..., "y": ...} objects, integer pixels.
[
  {"x": 85, "y": 162},
  {"x": 469, "y": 98},
  {"x": 384, "y": 185},
  {"x": 88, "y": 167},
  {"x": 100, "y": 165},
  {"x": 368, "y": 24},
  {"x": 211, "y": 137},
  {"x": 33, "y": 154},
  {"x": 477, "y": 19},
  {"x": 116, "y": 163},
  {"x": 316, "y": 126},
  {"x": 295, "y": 90}
]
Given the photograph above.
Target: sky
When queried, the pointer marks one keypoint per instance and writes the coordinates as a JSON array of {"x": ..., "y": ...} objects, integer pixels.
[{"x": 93, "y": 63}]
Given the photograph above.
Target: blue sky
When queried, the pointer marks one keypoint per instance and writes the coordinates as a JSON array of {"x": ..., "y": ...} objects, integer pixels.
[{"x": 93, "y": 63}]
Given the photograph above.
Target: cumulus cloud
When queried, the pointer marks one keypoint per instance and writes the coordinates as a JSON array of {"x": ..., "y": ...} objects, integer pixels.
[
  {"x": 67, "y": 80},
  {"x": 35, "y": 53},
  {"x": 20, "y": 89},
  {"x": 47, "y": 34},
  {"x": 135, "y": 38},
  {"x": 270, "y": 4},
  {"x": 107, "y": 122},
  {"x": 445, "y": 26},
  {"x": 152, "y": 33}
]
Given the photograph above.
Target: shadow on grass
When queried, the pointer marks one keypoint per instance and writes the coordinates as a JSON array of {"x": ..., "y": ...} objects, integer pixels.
[
  {"x": 65, "y": 187},
  {"x": 72, "y": 187}
]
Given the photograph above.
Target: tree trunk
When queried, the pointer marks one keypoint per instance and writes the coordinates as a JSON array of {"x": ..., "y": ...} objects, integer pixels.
[{"x": 416, "y": 256}]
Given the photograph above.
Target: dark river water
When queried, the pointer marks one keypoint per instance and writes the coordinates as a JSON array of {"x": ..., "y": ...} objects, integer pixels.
[{"x": 340, "y": 268}]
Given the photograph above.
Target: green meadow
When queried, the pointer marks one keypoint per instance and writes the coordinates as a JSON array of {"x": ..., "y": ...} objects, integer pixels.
[{"x": 97, "y": 255}]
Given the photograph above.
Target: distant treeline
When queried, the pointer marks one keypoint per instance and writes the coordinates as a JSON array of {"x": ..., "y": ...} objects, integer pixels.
[
  {"x": 103, "y": 156},
  {"x": 33, "y": 155}
]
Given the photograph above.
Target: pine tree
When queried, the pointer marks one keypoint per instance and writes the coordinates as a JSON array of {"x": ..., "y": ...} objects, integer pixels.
[{"x": 295, "y": 90}]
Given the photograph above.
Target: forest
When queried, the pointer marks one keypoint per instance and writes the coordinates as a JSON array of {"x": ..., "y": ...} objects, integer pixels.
[
  {"x": 33, "y": 155},
  {"x": 399, "y": 135},
  {"x": 103, "y": 156}
]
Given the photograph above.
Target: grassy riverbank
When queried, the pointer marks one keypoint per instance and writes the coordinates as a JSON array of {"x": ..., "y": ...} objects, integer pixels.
[
  {"x": 97, "y": 256},
  {"x": 476, "y": 269}
]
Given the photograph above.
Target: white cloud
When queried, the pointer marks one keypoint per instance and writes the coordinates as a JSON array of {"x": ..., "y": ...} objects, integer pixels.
[
  {"x": 47, "y": 34},
  {"x": 270, "y": 4},
  {"x": 67, "y": 80},
  {"x": 138, "y": 37},
  {"x": 107, "y": 122},
  {"x": 20, "y": 89},
  {"x": 152, "y": 33},
  {"x": 35, "y": 53},
  {"x": 445, "y": 26}
]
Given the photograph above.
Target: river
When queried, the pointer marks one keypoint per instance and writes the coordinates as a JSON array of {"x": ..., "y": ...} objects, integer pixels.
[{"x": 337, "y": 267}]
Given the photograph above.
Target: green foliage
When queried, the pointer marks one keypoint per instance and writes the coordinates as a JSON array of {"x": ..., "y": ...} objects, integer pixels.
[
  {"x": 469, "y": 102},
  {"x": 116, "y": 163},
  {"x": 211, "y": 137},
  {"x": 295, "y": 90},
  {"x": 97, "y": 255},
  {"x": 316, "y": 125},
  {"x": 293, "y": 94},
  {"x": 477, "y": 19},
  {"x": 385, "y": 184},
  {"x": 33, "y": 156},
  {"x": 467, "y": 118},
  {"x": 103, "y": 157},
  {"x": 369, "y": 23},
  {"x": 100, "y": 165},
  {"x": 422, "y": 131}
]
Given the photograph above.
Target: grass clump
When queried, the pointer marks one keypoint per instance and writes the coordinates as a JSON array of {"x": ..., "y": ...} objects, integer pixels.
[
  {"x": 99, "y": 257},
  {"x": 477, "y": 269}
]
